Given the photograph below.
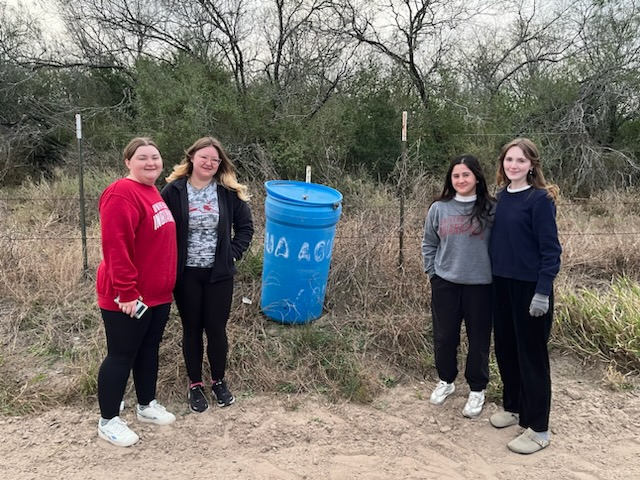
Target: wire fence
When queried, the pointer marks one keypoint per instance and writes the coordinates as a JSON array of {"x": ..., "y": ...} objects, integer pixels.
[
  {"x": 376, "y": 253},
  {"x": 391, "y": 212}
]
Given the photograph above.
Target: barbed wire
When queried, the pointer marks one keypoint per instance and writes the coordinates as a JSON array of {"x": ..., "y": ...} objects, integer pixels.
[
  {"x": 514, "y": 135},
  {"x": 26, "y": 199},
  {"x": 578, "y": 202},
  {"x": 337, "y": 238}
]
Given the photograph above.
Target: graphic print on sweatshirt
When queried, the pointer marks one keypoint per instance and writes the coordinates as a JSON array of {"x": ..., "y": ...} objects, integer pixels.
[
  {"x": 204, "y": 215},
  {"x": 161, "y": 215},
  {"x": 458, "y": 225}
]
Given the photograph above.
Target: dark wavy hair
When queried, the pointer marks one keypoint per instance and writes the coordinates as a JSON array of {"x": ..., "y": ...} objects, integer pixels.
[{"x": 482, "y": 208}]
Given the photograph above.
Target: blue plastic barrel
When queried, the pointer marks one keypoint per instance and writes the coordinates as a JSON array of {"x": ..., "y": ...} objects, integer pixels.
[{"x": 300, "y": 227}]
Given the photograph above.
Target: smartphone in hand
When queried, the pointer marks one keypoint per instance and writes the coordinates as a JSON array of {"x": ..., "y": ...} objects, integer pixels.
[{"x": 141, "y": 308}]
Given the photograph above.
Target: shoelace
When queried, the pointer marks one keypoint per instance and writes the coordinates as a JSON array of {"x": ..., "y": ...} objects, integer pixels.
[
  {"x": 220, "y": 388},
  {"x": 157, "y": 406},
  {"x": 118, "y": 426},
  {"x": 441, "y": 387},
  {"x": 154, "y": 405}
]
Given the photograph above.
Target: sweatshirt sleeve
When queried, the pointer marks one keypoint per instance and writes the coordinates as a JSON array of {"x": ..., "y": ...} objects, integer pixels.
[
  {"x": 118, "y": 222},
  {"x": 430, "y": 241},
  {"x": 546, "y": 233}
]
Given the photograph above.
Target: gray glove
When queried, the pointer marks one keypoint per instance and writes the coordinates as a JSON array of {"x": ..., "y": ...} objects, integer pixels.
[{"x": 539, "y": 305}]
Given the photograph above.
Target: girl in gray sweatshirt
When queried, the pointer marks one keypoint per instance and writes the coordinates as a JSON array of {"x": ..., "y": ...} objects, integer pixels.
[{"x": 455, "y": 250}]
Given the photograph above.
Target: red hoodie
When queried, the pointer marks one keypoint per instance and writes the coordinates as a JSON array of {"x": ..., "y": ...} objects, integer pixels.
[{"x": 138, "y": 246}]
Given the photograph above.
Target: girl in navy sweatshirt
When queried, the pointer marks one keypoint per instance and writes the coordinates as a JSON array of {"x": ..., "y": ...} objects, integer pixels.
[{"x": 525, "y": 259}]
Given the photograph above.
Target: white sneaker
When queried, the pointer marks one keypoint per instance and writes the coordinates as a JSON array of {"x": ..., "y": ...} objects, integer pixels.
[
  {"x": 474, "y": 404},
  {"x": 155, "y": 413},
  {"x": 441, "y": 392},
  {"x": 115, "y": 431}
]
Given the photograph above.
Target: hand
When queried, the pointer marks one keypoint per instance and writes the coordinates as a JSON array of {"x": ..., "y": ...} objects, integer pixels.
[
  {"x": 129, "y": 308},
  {"x": 539, "y": 305}
]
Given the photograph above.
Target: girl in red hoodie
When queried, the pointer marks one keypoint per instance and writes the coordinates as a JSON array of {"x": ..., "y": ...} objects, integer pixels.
[{"x": 139, "y": 266}]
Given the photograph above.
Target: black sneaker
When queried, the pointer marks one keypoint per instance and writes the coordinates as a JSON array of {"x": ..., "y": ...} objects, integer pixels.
[
  {"x": 222, "y": 393},
  {"x": 197, "y": 400}
]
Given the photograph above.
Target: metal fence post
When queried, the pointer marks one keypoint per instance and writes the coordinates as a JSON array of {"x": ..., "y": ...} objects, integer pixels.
[{"x": 83, "y": 225}]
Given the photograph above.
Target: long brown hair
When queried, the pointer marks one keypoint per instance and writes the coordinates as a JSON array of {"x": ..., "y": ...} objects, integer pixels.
[
  {"x": 535, "y": 177},
  {"x": 226, "y": 174}
]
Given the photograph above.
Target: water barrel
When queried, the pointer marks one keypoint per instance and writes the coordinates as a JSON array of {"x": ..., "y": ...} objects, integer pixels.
[{"x": 300, "y": 227}]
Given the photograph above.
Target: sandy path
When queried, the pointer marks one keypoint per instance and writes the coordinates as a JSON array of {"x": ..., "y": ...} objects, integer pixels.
[{"x": 399, "y": 436}]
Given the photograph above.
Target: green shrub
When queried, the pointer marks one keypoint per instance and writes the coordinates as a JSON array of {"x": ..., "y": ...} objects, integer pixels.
[{"x": 604, "y": 324}]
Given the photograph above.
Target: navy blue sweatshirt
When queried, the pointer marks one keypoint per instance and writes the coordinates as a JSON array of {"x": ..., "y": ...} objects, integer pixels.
[{"x": 524, "y": 242}]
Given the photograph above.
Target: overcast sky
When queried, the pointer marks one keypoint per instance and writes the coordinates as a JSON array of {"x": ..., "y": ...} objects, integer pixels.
[{"x": 43, "y": 11}]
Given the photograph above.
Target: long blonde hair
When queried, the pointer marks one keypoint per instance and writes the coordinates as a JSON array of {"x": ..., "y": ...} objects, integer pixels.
[
  {"x": 535, "y": 177},
  {"x": 226, "y": 174}
]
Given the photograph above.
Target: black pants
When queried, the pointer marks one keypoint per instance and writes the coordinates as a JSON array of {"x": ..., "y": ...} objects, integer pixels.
[
  {"x": 204, "y": 308},
  {"x": 132, "y": 344},
  {"x": 521, "y": 351},
  {"x": 450, "y": 304}
]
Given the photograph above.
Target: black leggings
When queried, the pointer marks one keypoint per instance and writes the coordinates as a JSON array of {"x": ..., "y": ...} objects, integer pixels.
[
  {"x": 131, "y": 345},
  {"x": 204, "y": 308}
]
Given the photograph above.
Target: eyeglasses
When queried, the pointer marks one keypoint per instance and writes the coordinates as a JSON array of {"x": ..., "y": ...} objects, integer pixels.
[
  {"x": 212, "y": 160},
  {"x": 205, "y": 157}
]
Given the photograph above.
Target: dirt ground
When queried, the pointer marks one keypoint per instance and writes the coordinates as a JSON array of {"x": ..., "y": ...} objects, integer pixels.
[{"x": 596, "y": 435}]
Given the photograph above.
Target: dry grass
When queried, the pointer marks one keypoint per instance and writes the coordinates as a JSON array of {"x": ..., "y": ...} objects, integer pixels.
[
  {"x": 375, "y": 332},
  {"x": 600, "y": 238}
]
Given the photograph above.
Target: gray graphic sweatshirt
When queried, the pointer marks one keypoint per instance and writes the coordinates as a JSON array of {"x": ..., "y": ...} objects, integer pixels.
[{"x": 449, "y": 247}]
